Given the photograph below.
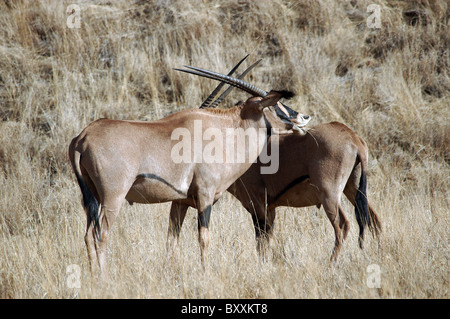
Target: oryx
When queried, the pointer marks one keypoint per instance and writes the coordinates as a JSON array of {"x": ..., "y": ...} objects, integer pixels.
[
  {"x": 135, "y": 160},
  {"x": 315, "y": 169}
]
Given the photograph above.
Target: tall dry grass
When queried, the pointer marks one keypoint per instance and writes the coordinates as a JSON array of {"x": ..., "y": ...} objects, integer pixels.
[{"x": 391, "y": 85}]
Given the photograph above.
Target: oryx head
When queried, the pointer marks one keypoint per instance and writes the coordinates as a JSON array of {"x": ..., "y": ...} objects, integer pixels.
[{"x": 279, "y": 115}]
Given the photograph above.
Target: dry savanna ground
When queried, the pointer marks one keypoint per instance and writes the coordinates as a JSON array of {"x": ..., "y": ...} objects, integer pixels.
[{"x": 383, "y": 72}]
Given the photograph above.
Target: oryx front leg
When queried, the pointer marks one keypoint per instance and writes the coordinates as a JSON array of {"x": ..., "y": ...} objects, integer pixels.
[
  {"x": 204, "y": 215},
  {"x": 177, "y": 215},
  {"x": 263, "y": 224}
]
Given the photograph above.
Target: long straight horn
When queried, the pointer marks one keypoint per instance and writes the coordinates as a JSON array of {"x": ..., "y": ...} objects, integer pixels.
[
  {"x": 247, "y": 87},
  {"x": 208, "y": 100},
  {"x": 227, "y": 91}
]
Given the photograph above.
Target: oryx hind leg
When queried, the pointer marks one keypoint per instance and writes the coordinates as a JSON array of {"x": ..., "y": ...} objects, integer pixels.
[
  {"x": 89, "y": 239},
  {"x": 331, "y": 205},
  {"x": 344, "y": 224},
  {"x": 90, "y": 235},
  {"x": 110, "y": 207}
]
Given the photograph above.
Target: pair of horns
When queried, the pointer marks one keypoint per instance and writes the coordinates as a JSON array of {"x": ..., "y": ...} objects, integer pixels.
[
  {"x": 207, "y": 103},
  {"x": 226, "y": 79}
]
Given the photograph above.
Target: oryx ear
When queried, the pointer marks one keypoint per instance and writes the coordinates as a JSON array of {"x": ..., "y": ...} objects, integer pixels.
[{"x": 274, "y": 96}]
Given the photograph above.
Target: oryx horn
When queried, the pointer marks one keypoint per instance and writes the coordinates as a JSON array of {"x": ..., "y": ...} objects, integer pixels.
[{"x": 247, "y": 87}]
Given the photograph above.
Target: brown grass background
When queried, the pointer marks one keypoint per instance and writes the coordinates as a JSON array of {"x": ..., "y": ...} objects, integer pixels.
[{"x": 391, "y": 85}]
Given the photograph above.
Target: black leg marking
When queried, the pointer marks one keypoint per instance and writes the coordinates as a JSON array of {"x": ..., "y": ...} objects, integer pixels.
[{"x": 203, "y": 217}]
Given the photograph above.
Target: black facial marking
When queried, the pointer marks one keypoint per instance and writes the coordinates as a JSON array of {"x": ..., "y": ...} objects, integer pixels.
[
  {"x": 268, "y": 128},
  {"x": 286, "y": 119},
  {"x": 292, "y": 114}
]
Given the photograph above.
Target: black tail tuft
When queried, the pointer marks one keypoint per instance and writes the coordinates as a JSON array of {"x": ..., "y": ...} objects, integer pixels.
[
  {"x": 362, "y": 207},
  {"x": 91, "y": 205}
]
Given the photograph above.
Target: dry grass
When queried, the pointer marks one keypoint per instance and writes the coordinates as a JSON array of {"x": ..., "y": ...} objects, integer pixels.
[{"x": 391, "y": 85}]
